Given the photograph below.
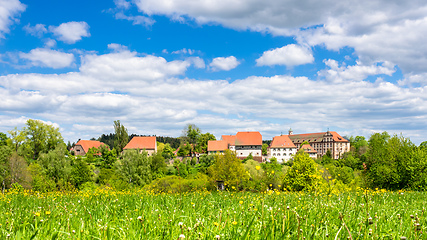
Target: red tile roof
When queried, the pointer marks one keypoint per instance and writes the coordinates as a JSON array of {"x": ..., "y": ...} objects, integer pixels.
[
  {"x": 220, "y": 145},
  {"x": 338, "y": 138},
  {"x": 230, "y": 139},
  {"x": 282, "y": 142},
  {"x": 142, "y": 143},
  {"x": 248, "y": 138},
  {"x": 88, "y": 144},
  {"x": 308, "y": 149}
]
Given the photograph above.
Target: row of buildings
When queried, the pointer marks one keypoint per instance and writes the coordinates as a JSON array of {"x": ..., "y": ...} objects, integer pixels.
[{"x": 282, "y": 147}]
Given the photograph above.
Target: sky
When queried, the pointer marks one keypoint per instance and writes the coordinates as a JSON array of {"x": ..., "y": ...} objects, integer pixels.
[{"x": 356, "y": 67}]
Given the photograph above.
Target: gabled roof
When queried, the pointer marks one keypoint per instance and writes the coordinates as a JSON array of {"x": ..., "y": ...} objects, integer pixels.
[
  {"x": 230, "y": 139},
  {"x": 142, "y": 143},
  {"x": 315, "y": 137},
  {"x": 88, "y": 144},
  {"x": 282, "y": 142},
  {"x": 220, "y": 145},
  {"x": 248, "y": 138},
  {"x": 308, "y": 149}
]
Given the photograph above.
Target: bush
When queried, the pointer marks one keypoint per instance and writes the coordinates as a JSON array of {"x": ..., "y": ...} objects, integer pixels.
[{"x": 176, "y": 184}]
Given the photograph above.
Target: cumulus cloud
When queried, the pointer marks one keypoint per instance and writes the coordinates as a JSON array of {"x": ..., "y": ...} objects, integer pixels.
[
  {"x": 357, "y": 72},
  {"x": 48, "y": 58},
  {"x": 224, "y": 63},
  {"x": 377, "y": 30},
  {"x": 289, "y": 55},
  {"x": 37, "y": 30},
  {"x": 147, "y": 93},
  {"x": 70, "y": 32},
  {"x": 10, "y": 11}
]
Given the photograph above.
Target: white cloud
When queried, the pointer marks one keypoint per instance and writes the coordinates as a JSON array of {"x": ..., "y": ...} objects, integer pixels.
[
  {"x": 289, "y": 55},
  {"x": 10, "y": 10},
  {"x": 224, "y": 63},
  {"x": 48, "y": 58},
  {"x": 185, "y": 51},
  {"x": 379, "y": 31},
  {"x": 146, "y": 93},
  {"x": 38, "y": 30},
  {"x": 136, "y": 20},
  {"x": 71, "y": 32},
  {"x": 122, "y": 4},
  {"x": 356, "y": 72}
]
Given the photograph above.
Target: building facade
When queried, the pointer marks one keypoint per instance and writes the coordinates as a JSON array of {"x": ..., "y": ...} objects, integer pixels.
[
  {"x": 322, "y": 142},
  {"x": 83, "y": 146},
  {"x": 281, "y": 148}
]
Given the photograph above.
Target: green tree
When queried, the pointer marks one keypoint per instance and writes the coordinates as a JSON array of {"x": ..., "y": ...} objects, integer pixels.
[
  {"x": 109, "y": 157},
  {"x": 423, "y": 145},
  {"x": 158, "y": 165},
  {"x": 17, "y": 138},
  {"x": 203, "y": 140},
  {"x": 135, "y": 168},
  {"x": 167, "y": 152},
  {"x": 121, "y": 137},
  {"x": 80, "y": 172},
  {"x": 302, "y": 174},
  {"x": 5, "y": 153},
  {"x": 55, "y": 164},
  {"x": 264, "y": 148},
  {"x": 40, "y": 138},
  {"x": 229, "y": 168}
]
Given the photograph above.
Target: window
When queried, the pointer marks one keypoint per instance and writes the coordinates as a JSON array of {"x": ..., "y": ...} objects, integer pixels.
[{"x": 278, "y": 154}]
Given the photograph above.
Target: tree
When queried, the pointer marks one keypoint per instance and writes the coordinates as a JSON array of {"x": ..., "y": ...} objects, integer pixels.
[
  {"x": 302, "y": 174},
  {"x": 135, "y": 168},
  {"x": 80, "y": 172},
  {"x": 54, "y": 163},
  {"x": 191, "y": 133},
  {"x": 40, "y": 138},
  {"x": 3, "y": 139},
  {"x": 264, "y": 149},
  {"x": 158, "y": 165},
  {"x": 17, "y": 138},
  {"x": 203, "y": 140},
  {"x": 121, "y": 137},
  {"x": 228, "y": 168},
  {"x": 5, "y": 153},
  {"x": 423, "y": 145},
  {"x": 18, "y": 170}
]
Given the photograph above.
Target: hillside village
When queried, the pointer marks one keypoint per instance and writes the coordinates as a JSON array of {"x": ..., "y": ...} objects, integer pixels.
[{"x": 245, "y": 144}]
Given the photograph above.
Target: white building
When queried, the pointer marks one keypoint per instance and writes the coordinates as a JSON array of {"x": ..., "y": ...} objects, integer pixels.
[{"x": 281, "y": 148}]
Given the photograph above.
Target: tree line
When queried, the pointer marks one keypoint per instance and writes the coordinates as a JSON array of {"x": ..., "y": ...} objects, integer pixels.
[{"x": 36, "y": 157}]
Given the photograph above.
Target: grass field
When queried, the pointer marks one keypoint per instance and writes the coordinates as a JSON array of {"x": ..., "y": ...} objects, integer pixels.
[{"x": 108, "y": 214}]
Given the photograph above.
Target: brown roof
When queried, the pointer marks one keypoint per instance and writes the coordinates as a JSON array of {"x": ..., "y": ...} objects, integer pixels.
[
  {"x": 248, "y": 138},
  {"x": 220, "y": 145},
  {"x": 315, "y": 137},
  {"x": 230, "y": 139},
  {"x": 142, "y": 143},
  {"x": 88, "y": 144},
  {"x": 308, "y": 149},
  {"x": 282, "y": 142}
]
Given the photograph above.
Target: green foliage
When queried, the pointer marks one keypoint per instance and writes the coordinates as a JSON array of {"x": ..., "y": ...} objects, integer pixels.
[
  {"x": 228, "y": 168},
  {"x": 158, "y": 165},
  {"x": 5, "y": 153},
  {"x": 135, "y": 168},
  {"x": 205, "y": 161},
  {"x": 302, "y": 174},
  {"x": 80, "y": 172},
  {"x": 40, "y": 181},
  {"x": 343, "y": 174},
  {"x": 3, "y": 139},
  {"x": 184, "y": 150},
  {"x": 40, "y": 138},
  {"x": 121, "y": 137},
  {"x": 202, "y": 141},
  {"x": 264, "y": 148},
  {"x": 55, "y": 164},
  {"x": 109, "y": 157}
]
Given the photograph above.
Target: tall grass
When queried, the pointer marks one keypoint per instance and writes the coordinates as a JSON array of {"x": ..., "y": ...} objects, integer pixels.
[{"x": 108, "y": 214}]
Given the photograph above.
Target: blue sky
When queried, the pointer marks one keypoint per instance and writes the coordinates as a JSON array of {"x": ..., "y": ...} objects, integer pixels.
[{"x": 225, "y": 66}]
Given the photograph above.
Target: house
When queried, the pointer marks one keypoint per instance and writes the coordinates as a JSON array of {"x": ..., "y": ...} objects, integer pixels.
[
  {"x": 308, "y": 149},
  {"x": 243, "y": 144},
  {"x": 282, "y": 148},
  {"x": 322, "y": 142},
  {"x": 148, "y": 144},
  {"x": 83, "y": 146},
  {"x": 215, "y": 147}
]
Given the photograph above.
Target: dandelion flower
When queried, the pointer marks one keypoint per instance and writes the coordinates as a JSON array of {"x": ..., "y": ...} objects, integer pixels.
[{"x": 257, "y": 167}]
